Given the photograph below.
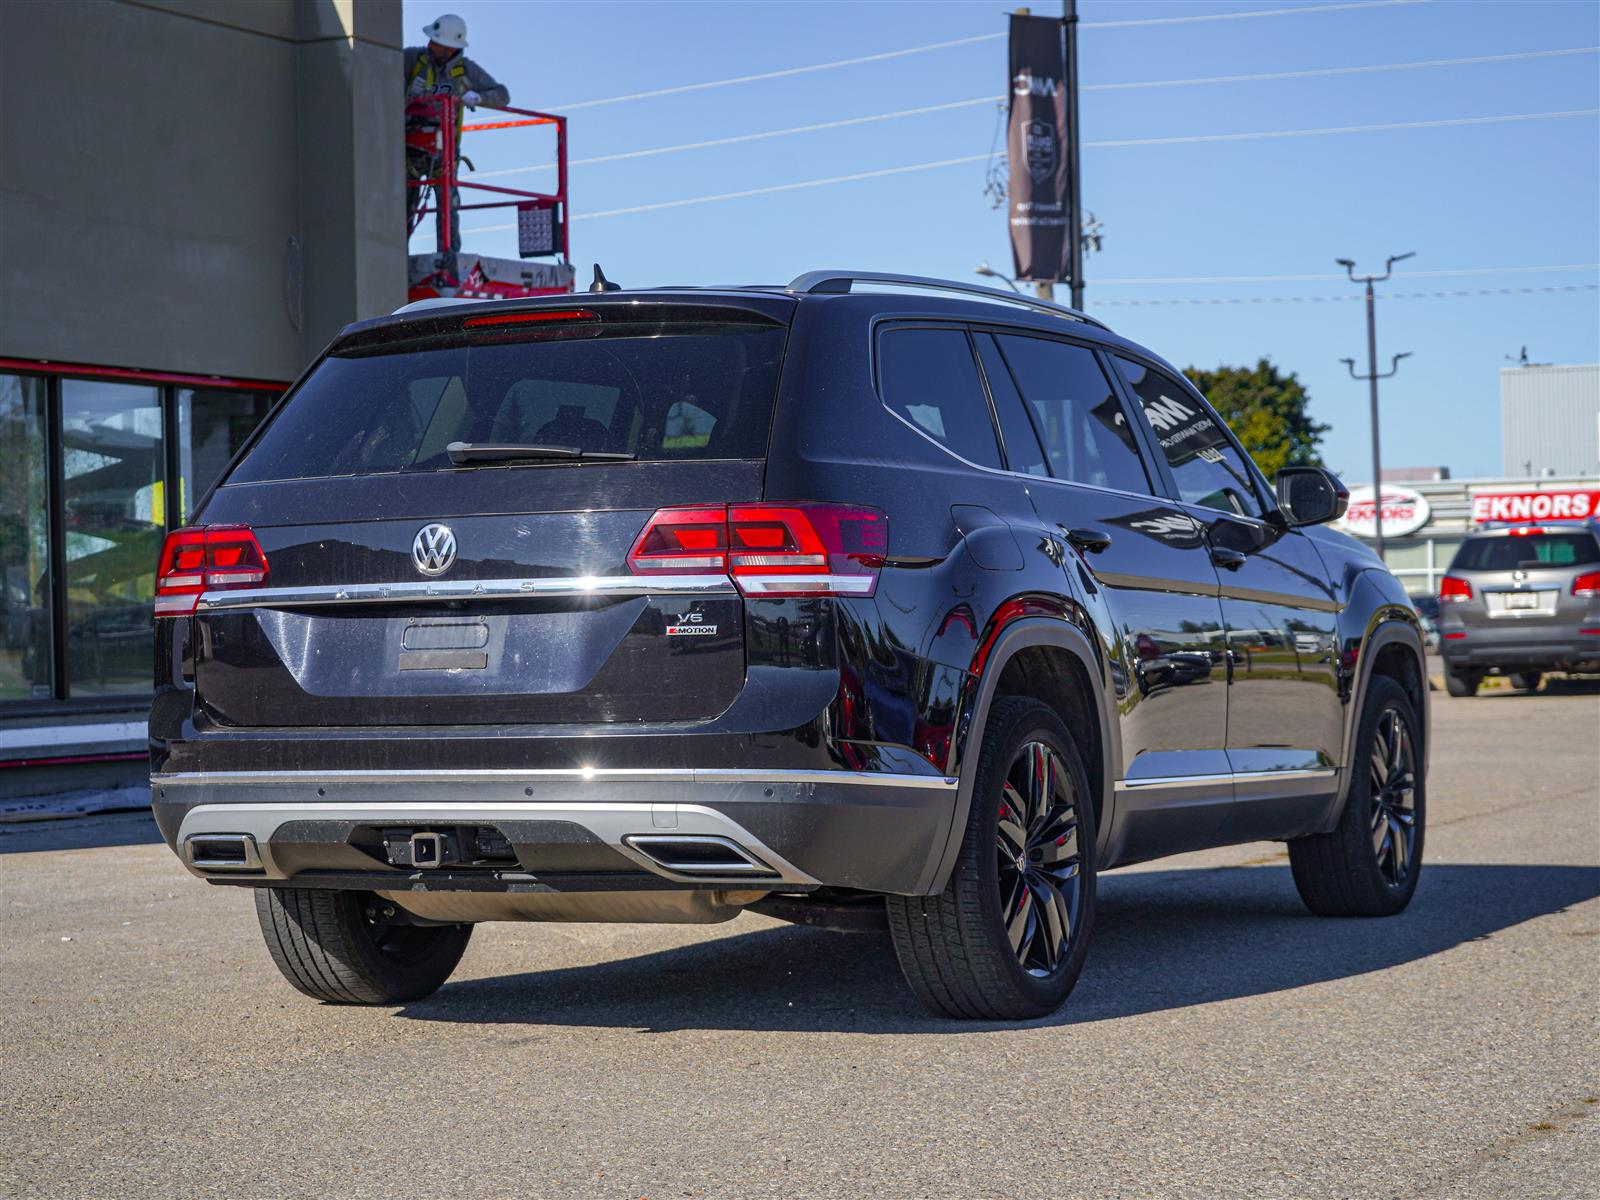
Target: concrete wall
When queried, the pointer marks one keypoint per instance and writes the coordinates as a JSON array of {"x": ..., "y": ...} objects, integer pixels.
[
  {"x": 202, "y": 187},
  {"x": 1550, "y": 420}
]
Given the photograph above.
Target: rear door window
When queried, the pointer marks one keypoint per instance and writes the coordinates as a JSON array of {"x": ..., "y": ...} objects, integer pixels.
[
  {"x": 927, "y": 378},
  {"x": 681, "y": 392},
  {"x": 1209, "y": 469},
  {"x": 1023, "y": 451},
  {"x": 1533, "y": 551},
  {"x": 1086, "y": 434}
]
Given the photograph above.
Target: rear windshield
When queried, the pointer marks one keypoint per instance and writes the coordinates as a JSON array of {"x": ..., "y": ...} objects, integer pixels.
[
  {"x": 1533, "y": 550},
  {"x": 697, "y": 391}
]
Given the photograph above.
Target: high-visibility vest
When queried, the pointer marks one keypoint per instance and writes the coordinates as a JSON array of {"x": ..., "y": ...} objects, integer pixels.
[{"x": 424, "y": 69}]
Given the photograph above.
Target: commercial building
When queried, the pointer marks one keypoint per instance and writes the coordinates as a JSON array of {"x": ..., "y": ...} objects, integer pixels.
[
  {"x": 1550, "y": 420},
  {"x": 1424, "y": 522},
  {"x": 194, "y": 197},
  {"x": 1550, "y": 429}
]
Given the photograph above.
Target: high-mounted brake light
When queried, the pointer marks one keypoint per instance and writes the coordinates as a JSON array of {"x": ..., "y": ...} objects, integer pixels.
[
  {"x": 1525, "y": 531},
  {"x": 529, "y": 318},
  {"x": 1453, "y": 590},
  {"x": 207, "y": 558},
  {"x": 1587, "y": 584},
  {"x": 769, "y": 549}
]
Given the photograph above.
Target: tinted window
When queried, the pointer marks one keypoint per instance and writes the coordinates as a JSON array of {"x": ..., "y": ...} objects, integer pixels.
[
  {"x": 1208, "y": 468},
  {"x": 701, "y": 391},
  {"x": 928, "y": 377},
  {"x": 1538, "y": 550},
  {"x": 1023, "y": 452},
  {"x": 1086, "y": 434}
]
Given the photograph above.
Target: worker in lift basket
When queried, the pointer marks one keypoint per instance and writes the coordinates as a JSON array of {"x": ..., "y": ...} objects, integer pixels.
[{"x": 443, "y": 68}]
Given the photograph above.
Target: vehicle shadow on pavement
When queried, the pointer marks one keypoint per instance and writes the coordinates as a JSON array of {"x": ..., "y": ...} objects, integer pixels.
[
  {"x": 80, "y": 833},
  {"x": 1163, "y": 940}
]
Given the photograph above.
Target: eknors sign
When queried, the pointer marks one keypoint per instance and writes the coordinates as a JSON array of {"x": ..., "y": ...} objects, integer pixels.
[
  {"x": 1402, "y": 511},
  {"x": 1036, "y": 150},
  {"x": 1553, "y": 505}
]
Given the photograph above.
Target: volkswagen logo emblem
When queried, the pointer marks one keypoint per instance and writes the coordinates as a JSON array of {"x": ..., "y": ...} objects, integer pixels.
[{"x": 434, "y": 549}]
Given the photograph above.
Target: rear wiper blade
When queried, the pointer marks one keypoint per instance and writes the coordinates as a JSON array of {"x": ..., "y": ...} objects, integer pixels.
[{"x": 463, "y": 453}]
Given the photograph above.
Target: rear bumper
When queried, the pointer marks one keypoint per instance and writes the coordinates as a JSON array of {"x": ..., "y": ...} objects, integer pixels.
[
  {"x": 868, "y": 830},
  {"x": 1545, "y": 645}
]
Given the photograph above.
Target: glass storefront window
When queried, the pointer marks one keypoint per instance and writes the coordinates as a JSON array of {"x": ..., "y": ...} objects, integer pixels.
[
  {"x": 25, "y": 662},
  {"x": 114, "y": 499},
  {"x": 212, "y": 424}
]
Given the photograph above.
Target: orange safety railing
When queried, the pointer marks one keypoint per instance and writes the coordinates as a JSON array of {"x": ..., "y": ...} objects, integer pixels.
[{"x": 431, "y": 130}]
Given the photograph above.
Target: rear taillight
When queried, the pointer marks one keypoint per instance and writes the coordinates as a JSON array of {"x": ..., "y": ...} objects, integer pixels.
[
  {"x": 1453, "y": 590},
  {"x": 209, "y": 558},
  {"x": 769, "y": 549},
  {"x": 1587, "y": 584}
]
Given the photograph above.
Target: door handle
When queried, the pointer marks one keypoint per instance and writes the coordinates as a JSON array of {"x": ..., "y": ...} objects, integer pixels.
[
  {"x": 1090, "y": 541},
  {"x": 1231, "y": 560}
]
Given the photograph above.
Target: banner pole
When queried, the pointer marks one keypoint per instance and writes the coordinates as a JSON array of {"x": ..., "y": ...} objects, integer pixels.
[{"x": 1075, "y": 189}]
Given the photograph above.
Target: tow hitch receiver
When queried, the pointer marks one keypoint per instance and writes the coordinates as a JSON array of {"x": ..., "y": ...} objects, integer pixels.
[
  {"x": 421, "y": 848},
  {"x": 462, "y": 846},
  {"x": 427, "y": 849}
]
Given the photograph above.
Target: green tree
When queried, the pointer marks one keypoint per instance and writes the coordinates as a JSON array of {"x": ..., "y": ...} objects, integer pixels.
[{"x": 1267, "y": 411}]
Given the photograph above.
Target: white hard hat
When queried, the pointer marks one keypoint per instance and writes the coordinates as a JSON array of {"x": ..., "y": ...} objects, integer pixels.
[{"x": 448, "y": 30}]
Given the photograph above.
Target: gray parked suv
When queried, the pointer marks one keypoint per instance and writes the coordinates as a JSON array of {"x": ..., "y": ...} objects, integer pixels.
[{"x": 1520, "y": 600}]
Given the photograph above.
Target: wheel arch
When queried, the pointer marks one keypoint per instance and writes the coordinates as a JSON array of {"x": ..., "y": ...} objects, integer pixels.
[
  {"x": 1392, "y": 648},
  {"x": 1054, "y": 661}
]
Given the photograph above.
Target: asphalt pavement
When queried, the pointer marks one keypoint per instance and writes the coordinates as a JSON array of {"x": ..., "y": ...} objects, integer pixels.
[{"x": 1222, "y": 1042}]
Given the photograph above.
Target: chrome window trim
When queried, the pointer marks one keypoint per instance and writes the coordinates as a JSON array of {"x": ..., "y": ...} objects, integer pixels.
[
  {"x": 424, "y": 591},
  {"x": 563, "y": 774}
]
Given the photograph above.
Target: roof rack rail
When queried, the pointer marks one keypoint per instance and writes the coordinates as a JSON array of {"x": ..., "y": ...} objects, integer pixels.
[{"x": 840, "y": 281}]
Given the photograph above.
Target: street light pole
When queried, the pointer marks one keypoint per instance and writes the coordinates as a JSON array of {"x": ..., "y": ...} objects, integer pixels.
[
  {"x": 1371, "y": 377},
  {"x": 985, "y": 269},
  {"x": 1074, "y": 184}
]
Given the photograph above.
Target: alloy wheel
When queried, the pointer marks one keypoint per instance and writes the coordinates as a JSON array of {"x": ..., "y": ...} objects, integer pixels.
[
  {"x": 1040, "y": 861},
  {"x": 1394, "y": 797}
]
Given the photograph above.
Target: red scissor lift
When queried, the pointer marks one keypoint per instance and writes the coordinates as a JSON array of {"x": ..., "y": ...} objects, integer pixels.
[{"x": 541, "y": 216}]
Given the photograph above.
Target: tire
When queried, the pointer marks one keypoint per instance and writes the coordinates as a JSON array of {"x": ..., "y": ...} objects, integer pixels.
[
  {"x": 1369, "y": 865},
  {"x": 1461, "y": 683},
  {"x": 1526, "y": 681},
  {"x": 955, "y": 948},
  {"x": 327, "y": 945}
]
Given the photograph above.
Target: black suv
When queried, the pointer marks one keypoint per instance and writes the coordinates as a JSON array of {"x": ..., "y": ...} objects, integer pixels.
[{"x": 913, "y": 606}]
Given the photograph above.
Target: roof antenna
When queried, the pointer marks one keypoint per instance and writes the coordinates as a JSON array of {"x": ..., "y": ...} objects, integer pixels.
[{"x": 601, "y": 283}]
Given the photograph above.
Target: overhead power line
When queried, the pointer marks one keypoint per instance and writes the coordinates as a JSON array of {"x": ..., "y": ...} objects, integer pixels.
[
  {"x": 1247, "y": 14},
  {"x": 885, "y": 55},
  {"x": 819, "y": 126},
  {"x": 1190, "y": 139},
  {"x": 1150, "y": 281},
  {"x": 1220, "y": 300},
  {"x": 972, "y": 158},
  {"x": 1320, "y": 72}
]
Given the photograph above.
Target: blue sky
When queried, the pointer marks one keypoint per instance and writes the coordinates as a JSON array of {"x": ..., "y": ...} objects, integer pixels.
[{"x": 1471, "y": 197}]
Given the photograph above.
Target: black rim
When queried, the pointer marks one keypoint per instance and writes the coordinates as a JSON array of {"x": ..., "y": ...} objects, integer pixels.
[
  {"x": 1041, "y": 869},
  {"x": 1394, "y": 797}
]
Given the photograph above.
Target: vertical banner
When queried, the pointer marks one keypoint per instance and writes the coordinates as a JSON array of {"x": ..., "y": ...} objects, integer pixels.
[{"x": 1036, "y": 145}]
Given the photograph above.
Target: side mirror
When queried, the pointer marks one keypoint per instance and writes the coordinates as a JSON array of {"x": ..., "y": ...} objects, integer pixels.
[{"x": 1311, "y": 495}]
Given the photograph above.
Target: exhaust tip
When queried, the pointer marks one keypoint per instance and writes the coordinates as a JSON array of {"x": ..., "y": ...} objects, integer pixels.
[
  {"x": 221, "y": 852},
  {"x": 698, "y": 854}
]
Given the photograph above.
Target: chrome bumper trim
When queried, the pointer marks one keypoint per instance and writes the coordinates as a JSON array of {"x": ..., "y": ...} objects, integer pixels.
[
  {"x": 428, "y": 591},
  {"x": 563, "y": 775},
  {"x": 614, "y": 823}
]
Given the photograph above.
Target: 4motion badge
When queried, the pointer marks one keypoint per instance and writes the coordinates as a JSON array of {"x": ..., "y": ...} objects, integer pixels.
[{"x": 690, "y": 624}]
